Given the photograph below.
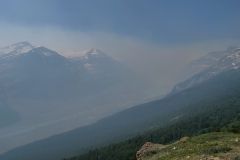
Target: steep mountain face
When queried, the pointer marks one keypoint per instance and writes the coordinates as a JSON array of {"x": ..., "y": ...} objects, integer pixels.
[
  {"x": 44, "y": 70},
  {"x": 104, "y": 73},
  {"x": 31, "y": 74},
  {"x": 208, "y": 60},
  {"x": 7, "y": 114},
  {"x": 46, "y": 91},
  {"x": 219, "y": 62}
]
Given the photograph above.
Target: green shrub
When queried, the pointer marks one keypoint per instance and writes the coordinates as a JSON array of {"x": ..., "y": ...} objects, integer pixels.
[{"x": 217, "y": 149}]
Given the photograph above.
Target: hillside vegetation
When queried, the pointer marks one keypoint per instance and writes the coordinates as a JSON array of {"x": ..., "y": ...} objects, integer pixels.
[
  {"x": 212, "y": 146},
  {"x": 216, "y": 108},
  {"x": 225, "y": 118}
]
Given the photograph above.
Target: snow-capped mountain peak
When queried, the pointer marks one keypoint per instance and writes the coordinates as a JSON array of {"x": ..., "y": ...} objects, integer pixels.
[
  {"x": 93, "y": 52},
  {"x": 17, "y": 48},
  {"x": 44, "y": 51},
  {"x": 229, "y": 60},
  {"x": 210, "y": 59}
]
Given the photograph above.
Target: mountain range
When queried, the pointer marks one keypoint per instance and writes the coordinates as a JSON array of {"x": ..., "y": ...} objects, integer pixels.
[
  {"x": 210, "y": 90},
  {"x": 43, "y": 92}
]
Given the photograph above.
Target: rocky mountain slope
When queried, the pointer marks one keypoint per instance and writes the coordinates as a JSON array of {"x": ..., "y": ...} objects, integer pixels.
[
  {"x": 210, "y": 66},
  {"x": 208, "y": 60}
]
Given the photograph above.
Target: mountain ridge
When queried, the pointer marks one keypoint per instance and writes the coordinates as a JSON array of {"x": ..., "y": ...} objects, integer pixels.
[
  {"x": 230, "y": 60},
  {"x": 42, "y": 85}
]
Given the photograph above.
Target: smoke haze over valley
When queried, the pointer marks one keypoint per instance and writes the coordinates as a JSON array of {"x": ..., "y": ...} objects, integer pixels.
[{"x": 82, "y": 74}]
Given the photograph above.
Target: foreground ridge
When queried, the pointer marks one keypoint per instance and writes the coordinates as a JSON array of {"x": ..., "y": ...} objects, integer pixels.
[{"x": 211, "y": 146}]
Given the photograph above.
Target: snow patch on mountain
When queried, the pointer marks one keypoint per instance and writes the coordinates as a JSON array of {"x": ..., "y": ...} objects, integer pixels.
[
  {"x": 93, "y": 53},
  {"x": 45, "y": 51},
  {"x": 92, "y": 58},
  {"x": 88, "y": 66},
  {"x": 223, "y": 62},
  {"x": 17, "y": 48},
  {"x": 209, "y": 60}
]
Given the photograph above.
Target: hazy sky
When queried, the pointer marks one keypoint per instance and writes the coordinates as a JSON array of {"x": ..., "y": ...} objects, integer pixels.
[
  {"x": 168, "y": 21},
  {"x": 155, "y": 37}
]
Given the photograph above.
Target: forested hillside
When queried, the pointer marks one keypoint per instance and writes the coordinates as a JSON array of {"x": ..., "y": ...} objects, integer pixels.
[
  {"x": 220, "y": 119},
  {"x": 218, "y": 112}
]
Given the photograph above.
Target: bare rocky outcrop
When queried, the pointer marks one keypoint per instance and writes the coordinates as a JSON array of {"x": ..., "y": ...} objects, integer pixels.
[
  {"x": 148, "y": 149},
  {"x": 183, "y": 139}
]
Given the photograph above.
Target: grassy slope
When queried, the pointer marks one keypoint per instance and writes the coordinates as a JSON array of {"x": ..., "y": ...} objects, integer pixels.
[
  {"x": 212, "y": 145},
  {"x": 126, "y": 150}
]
